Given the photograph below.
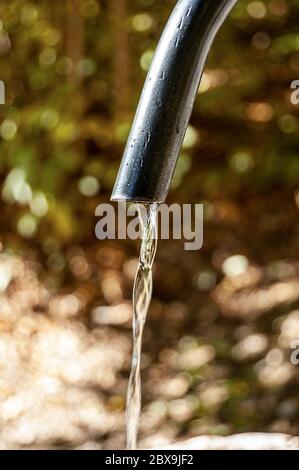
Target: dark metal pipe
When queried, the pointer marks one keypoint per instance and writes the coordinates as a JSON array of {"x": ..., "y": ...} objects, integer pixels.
[{"x": 167, "y": 100}]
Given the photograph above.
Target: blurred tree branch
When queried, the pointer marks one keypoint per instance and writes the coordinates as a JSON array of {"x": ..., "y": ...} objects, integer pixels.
[
  {"x": 75, "y": 42},
  {"x": 121, "y": 57}
]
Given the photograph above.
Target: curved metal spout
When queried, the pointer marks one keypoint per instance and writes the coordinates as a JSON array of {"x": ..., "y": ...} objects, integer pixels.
[{"x": 167, "y": 100}]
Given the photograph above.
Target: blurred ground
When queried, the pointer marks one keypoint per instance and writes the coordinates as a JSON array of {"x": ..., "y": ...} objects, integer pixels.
[
  {"x": 218, "y": 363},
  {"x": 245, "y": 441}
]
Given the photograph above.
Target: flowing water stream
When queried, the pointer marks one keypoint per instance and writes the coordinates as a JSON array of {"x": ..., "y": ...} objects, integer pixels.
[{"x": 142, "y": 294}]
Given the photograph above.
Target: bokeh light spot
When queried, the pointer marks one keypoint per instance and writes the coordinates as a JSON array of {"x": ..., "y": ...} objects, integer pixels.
[
  {"x": 89, "y": 186},
  {"x": 8, "y": 129},
  {"x": 27, "y": 226}
]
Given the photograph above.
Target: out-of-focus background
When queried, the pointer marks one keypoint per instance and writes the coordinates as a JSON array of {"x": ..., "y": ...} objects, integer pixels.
[{"x": 217, "y": 344}]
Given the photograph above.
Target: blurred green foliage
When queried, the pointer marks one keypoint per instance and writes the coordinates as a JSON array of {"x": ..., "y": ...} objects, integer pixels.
[{"x": 73, "y": 75}]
